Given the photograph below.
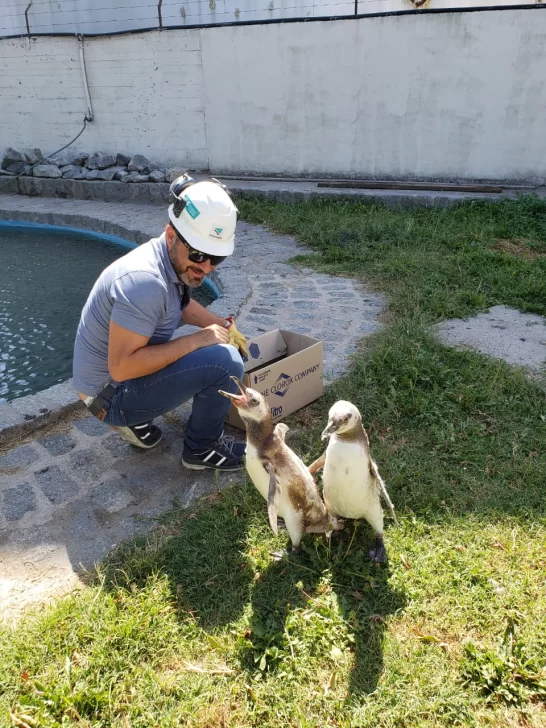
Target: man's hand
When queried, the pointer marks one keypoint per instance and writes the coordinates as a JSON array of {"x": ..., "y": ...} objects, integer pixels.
[
  {"x": 237, "y": 339},
  {"x": 211, "y": 335}
]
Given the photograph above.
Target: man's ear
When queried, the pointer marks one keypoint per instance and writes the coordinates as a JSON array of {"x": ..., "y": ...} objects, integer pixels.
[{"x": 170, "y": 234}]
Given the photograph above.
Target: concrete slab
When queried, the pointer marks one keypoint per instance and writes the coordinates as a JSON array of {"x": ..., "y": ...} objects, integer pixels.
[
  {"x": 271, "y": 188},
  {"x": 502, "y": 332}
]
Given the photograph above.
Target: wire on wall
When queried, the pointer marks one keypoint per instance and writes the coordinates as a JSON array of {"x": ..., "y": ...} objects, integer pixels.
[
  {"x": 168, "y": 19},
  {"x": 89, "y": 116},
  {"x": 27, "y": 170}
]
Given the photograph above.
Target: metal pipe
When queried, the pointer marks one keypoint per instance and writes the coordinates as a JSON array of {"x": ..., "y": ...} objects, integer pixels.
[
  {"x": 89, "y": 115},
  {"x": 356, "y": 7},
  {"x": 159, "y": 15}
]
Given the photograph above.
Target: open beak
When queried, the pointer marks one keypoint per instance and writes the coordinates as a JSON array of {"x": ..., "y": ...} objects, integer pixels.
[
  {"x": 330, "y": 428},
  {"x": 239, "y": 400}
]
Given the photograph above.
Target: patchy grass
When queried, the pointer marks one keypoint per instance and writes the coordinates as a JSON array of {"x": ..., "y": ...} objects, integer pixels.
[{"x": 197, "y": 625}]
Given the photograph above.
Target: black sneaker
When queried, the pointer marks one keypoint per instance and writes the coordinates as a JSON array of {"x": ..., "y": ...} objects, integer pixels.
[
  {"x": 145, "y": 436},
  {"x": 224, "y": 454},
  {"x": 237, "y": 448}
]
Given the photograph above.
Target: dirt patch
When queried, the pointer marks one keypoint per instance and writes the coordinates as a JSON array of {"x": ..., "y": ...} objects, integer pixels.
[
  {"x": 61, "y": 424},
  {"x": 521, "y": 247}
]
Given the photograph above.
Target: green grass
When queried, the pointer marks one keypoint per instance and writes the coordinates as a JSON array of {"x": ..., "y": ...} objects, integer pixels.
[
  {"x": 197, "y": 625},
  {"x": 433, "y": 263}
]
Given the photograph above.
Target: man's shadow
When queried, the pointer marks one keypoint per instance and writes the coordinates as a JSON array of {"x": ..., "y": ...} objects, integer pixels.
[{"x": 201, "y": 550}]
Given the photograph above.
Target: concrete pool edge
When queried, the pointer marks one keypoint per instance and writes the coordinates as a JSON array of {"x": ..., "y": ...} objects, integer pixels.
[
  {"x": 24, "y": 415},
  {"x": 25, "y": 224},
  {"x": 86, "y": 223}
]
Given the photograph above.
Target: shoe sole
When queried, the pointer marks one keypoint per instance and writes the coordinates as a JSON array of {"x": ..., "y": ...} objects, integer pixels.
[
  {"x": 195, "y": 466},
  {"x": 132, "y": 439}
]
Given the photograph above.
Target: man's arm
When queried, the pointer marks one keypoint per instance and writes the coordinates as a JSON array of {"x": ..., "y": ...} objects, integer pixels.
[
  {"x": 129, "y": 356},
  {"x": 196, "y": 315}
]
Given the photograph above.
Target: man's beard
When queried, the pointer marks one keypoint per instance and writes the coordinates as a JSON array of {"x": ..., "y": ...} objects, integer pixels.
[
  {"x": 183, "y": 277},
  {"x": 181, "y": 272}
]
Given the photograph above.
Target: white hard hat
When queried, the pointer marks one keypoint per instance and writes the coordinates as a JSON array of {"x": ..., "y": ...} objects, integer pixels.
[{"x": 203, "y": 214}]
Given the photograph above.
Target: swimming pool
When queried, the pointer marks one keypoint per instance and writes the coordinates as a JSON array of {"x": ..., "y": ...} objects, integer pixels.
[{"x": 46, "y": 273}]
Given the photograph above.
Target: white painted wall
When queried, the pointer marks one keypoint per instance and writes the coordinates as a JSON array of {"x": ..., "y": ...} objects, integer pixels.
[
  {"x": 440, "y": 96},
  {"x": 459, "y": 95},
  {"x": 110, "y": 16}
]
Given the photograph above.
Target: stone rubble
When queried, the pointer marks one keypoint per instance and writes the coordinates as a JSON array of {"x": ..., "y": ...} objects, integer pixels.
[{"x": 83, "y": 166}]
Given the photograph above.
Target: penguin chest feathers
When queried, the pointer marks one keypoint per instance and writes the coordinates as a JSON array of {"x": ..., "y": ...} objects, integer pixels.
[
  {"x": 350, "y": 489},
  {"x": 256, "y": 471}
]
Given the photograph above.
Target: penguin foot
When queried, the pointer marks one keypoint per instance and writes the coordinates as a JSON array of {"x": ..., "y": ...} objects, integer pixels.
[
  {"x": 279, "y": 555},
  {"x": 378, "y": 553}
]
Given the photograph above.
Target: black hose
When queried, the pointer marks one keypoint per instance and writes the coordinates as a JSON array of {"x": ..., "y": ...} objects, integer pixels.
[{"x": 11, "y": 179}]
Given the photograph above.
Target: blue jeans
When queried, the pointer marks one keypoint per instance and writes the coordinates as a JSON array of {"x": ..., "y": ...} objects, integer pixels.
[{"x": 199, "y": 375}]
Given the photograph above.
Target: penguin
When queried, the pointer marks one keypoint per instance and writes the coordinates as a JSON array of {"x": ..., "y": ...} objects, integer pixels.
[
  {"x": 352, "y": 486},
  {"x": 278, "y": 473}
]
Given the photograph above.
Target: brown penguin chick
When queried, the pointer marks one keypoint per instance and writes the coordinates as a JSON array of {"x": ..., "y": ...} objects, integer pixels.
[{"x": 278, "y": 473}]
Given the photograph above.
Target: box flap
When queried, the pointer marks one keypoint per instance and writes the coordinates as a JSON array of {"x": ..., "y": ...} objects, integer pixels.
[
  {"x": 297, "y": 342},
  {"x": 265, "y": 348}
]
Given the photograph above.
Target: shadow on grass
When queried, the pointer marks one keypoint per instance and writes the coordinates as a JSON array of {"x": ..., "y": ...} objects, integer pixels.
[
  {"x": 342, "y": 599},
  {"x": 202, "y": 551},
  {"x": 217, "y": 558},
  {"x": 367, "y": 599}
]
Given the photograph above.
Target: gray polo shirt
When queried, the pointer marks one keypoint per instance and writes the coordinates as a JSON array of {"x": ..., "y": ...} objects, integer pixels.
[{"x": 140, "y": 292}]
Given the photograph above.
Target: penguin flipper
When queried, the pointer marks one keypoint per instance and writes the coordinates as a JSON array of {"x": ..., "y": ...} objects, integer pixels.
[
  {"x": 280, "y": 430},
  {"x": 383, "y": 490},
  {"x": 273, "y": 498},
  {"x": 318, "y": 464}
]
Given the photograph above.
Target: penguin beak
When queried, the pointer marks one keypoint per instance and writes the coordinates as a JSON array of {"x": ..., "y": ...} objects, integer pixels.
[
  {"x": 330, "y": 428},
  {"x": 239, "y": 400}
]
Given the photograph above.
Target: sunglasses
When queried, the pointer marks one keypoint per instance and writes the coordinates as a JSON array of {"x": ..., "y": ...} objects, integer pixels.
[{"x": 196, "y": 256}]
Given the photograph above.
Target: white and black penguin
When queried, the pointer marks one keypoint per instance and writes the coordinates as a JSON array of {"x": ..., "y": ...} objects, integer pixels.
[
  {"x": 278, "y": 473},
  {"x": 352, "y": 486}
]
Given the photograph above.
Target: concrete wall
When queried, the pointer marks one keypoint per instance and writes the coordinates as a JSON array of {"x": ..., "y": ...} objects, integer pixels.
[
  {"x": 459, "y": 95},
  {"x": 146, "y": 91},
  {"x": 107, "y": 16},
  {"x": 110, "y": 16},
  {"x": 451, "y": 96}
]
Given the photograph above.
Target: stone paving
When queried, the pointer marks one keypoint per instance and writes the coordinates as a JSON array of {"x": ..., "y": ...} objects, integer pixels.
[{"x": 72, "y": 491}]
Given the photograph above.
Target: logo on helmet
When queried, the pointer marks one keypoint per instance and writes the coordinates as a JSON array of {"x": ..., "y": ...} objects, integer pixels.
[
  {"x": 217, "y": 232},
  {"x": 190, "y": 208}
]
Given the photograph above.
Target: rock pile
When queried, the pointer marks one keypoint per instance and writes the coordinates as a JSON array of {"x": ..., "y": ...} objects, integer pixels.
[{"x": 83, "y": 166}]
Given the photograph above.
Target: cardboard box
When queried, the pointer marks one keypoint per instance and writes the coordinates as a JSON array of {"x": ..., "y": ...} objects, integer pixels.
[{"x": 286, "y": 368}]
